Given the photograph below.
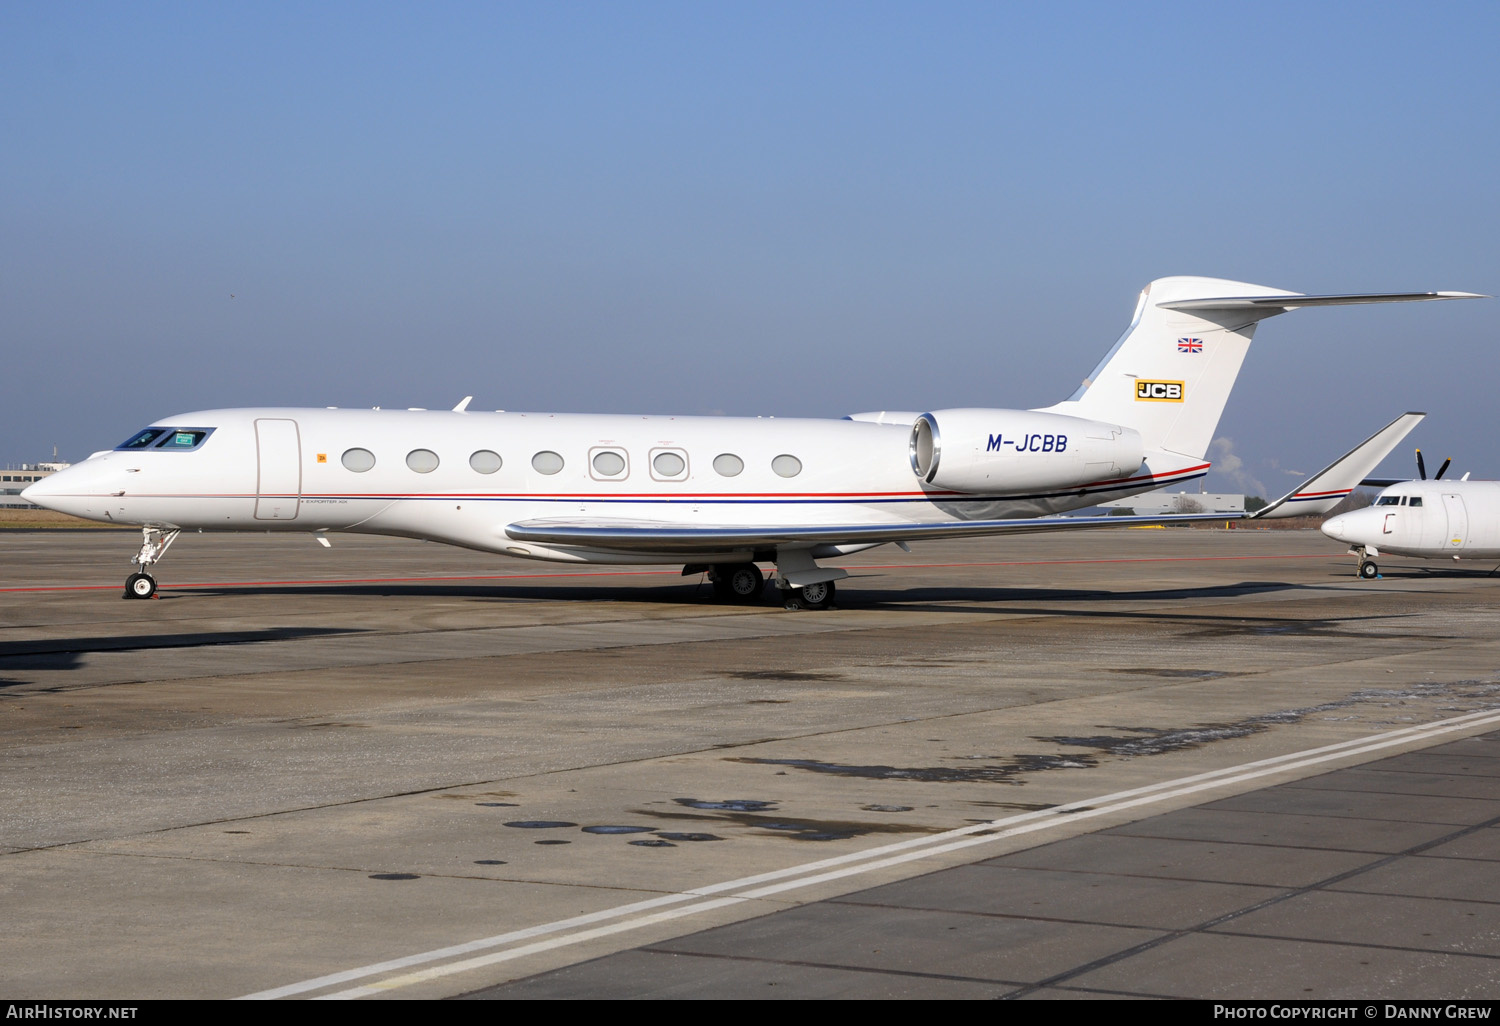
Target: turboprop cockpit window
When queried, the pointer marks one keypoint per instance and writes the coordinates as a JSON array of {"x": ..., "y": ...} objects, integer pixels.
[
  {"x": 1416, "y": 500},
  {"x": 1388, "y": 500}
]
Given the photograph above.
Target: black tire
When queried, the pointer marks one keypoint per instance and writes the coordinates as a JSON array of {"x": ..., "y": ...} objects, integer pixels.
[
  {"x": 743, "y": 582},
  {"x": 812, "y": 596},
  {"x": 140, "y": 586},
  {"x": 1369, "y": 571}
]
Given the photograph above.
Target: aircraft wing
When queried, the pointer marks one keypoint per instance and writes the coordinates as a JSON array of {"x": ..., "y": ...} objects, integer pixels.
[
  {"x": 665, "y": 536},
  {"x": 1327, "y": 488}
]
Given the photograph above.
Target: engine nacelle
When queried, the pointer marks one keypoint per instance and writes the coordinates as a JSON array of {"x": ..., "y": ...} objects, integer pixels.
[{"x": 1009, "y": 451}]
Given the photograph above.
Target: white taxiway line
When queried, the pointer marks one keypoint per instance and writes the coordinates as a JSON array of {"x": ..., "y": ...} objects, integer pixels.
[{"x": 638, "y": 915}]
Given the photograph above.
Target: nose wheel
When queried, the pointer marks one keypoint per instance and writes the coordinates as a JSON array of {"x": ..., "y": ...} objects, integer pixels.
[
  {"x": 1368, "y": 570},
  {"x": 154, "y": 544},
  {"x": 140, "y": 586}
]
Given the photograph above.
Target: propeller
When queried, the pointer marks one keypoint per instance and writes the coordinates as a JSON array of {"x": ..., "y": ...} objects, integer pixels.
[{"x": 1422, "y": 467}]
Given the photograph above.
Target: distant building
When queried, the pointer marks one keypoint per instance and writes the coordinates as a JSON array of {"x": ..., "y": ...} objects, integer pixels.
[
  {"x": 17, "y": 477},
  {"x": 1149, "y": 504}
]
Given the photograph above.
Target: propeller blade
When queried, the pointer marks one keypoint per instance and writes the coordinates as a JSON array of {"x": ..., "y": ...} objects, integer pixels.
[
  {"x": 1438, "y": 476},
  {"x": 1421, "y": 467}
]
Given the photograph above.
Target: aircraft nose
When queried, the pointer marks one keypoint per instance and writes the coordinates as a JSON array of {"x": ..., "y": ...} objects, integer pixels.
[
  {"x": 1335, "y": 527},
  {"x": 68, "y": 491}
]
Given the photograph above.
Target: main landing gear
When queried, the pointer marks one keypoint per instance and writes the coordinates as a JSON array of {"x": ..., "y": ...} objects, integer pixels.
[
  {"x": 802, "y": 583},
  {"x": 154, "y": 544},
  {"x": 737, "y": 582},
  {"x": 809, "y": 596}
]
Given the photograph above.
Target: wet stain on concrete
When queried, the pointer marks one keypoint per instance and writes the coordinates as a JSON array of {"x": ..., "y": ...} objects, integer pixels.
[
  {"x": 1154, "y": 741},
  {"x": 789, "y": 675},
  {"x": 1152, "y": 671},
  {"x": 673, "y": 835},
  {"x": 1017, "y": 806},
  {"x": 329, "y": 725},
  {"x": 653, "y": 843},
  {"x": 885, "y": 808},
  {"x": 394, "y": 876},
  {"x": 996, "y": 772},
  {"x": 732, "y": 805},
  {"x": 469, "y": 796},
  {"x": 793, "y": 828},
  {"x": 1138, "y": 741},
  {"x": 618, "y": 829},
  {"x": 490, "y": 862},
  {"x": 552, "y": 841},
  {"x": 539, "y": 824},
  {"x": 498, "y": 805}
]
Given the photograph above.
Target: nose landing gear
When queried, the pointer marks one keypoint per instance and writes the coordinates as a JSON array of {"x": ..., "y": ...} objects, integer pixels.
[
  {"x": 154, "y": 544},
  {"x": 1368, "y": 569}
]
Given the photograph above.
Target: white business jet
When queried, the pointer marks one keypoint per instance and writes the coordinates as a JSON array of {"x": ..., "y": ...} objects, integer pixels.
[
  {"x": 1434, "y": 519},
  {"x": 717, "y": 494}
]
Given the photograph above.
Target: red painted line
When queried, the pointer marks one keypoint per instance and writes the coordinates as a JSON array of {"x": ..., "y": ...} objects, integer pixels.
[{"x": 642, "y": 573}]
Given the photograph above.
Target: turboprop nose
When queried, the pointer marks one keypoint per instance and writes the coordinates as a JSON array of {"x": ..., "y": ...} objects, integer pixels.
[{"x": 1336, "y": 527}]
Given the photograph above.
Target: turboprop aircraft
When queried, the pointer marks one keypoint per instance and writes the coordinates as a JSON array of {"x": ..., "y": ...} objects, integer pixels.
[
  {"x": 1434, "y": 519},
  {"x": 716, "y": 494}
]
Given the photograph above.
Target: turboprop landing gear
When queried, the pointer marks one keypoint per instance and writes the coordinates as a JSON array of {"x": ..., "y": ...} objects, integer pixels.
[
  {"x": 737, "y": 582},
  {"x": 154, "y": 544},
  {"x": 1368, "y": 569}
]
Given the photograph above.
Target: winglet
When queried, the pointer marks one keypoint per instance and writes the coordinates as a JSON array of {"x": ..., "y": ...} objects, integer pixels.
[
  {"x": 463, "y": 404},
  {"x": 1327, "y": 488}
]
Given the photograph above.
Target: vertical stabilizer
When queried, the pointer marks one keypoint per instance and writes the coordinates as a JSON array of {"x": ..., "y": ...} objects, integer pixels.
[{"x": 1170, "y": 374}]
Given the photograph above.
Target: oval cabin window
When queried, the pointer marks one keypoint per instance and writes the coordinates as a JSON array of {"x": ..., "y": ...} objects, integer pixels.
[
  {"x": 786, "y": 466},
  {"x": 423, "y": 461},
  {"x": 358, "y": 460},
  {"x": 546, "y": 462},
  {"x": 485, "y": 462}
]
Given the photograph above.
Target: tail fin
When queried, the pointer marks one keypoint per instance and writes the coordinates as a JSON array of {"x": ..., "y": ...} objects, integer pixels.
[{"x": 1170, "y": 374}]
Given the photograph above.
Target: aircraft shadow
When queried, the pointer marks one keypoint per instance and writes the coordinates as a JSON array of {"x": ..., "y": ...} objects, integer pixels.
[{"x": 68, "y": 653}]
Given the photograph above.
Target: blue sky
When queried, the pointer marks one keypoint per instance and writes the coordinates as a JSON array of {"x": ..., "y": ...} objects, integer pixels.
[{"x": 793, "y": 209}]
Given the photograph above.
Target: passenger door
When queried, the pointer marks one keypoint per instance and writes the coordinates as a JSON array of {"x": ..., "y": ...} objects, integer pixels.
[{"x": 278, "y": 481}]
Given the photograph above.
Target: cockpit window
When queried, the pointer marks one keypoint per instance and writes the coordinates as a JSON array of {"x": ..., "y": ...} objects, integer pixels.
[
  {"x": 142, "y": 439},
  {"x": 1416, "y": 500},
  {"x": 175, "y": 439},
  {"x": 1388, "y": 500},
  {"x": 184, "y": 438}
]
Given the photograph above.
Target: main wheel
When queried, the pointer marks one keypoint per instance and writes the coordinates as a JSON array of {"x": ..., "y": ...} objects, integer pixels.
[
  {"x": 1369, "y": 571},
  {"x": 140, "y": 586},
  {"x": 743, "y": 582},
  {"x": 812, "y": 596}
]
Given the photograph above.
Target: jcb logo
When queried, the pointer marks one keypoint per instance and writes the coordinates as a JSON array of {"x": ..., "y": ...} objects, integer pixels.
[{"x": 1159, "y": 391}]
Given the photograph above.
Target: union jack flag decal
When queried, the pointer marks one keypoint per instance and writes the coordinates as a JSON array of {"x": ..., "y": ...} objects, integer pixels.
[{"x": 1190, "y": 345}]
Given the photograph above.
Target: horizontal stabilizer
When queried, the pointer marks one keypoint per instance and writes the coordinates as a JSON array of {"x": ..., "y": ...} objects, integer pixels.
[
  {"x": 1267, "y": 306},
  {"x": 1327, "y": 488}
]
